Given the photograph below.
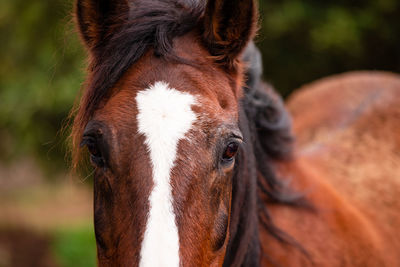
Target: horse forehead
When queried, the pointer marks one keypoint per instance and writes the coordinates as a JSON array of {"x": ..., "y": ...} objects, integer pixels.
[
  {"x": 164, "y": 111},
  {"x": 164, "y": 118}
]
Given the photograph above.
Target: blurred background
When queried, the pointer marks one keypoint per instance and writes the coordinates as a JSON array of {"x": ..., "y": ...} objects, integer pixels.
[{"x": 46, "y": 212}]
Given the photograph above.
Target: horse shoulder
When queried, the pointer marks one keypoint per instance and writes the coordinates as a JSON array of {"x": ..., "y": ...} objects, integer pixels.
[
  {"x": 354, "y": 138},
  {"x": 348, "y": 164}
]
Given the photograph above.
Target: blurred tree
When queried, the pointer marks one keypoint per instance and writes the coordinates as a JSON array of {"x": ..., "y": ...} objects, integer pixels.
[
  {"x": 42, "y": 62},
  {"x": 40, "y": 74},
  {"x": 302, "y": 40}
]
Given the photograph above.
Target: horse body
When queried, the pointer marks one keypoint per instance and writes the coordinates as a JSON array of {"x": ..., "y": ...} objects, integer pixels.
[
  {"x": 194, "y": 164},
  {"x": 348, "y": 163}
]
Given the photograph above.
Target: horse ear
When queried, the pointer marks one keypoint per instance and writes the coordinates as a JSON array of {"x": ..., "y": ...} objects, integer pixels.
[
  {"x": 98, "y": 19},
  {"x": 228, "y": 26}
]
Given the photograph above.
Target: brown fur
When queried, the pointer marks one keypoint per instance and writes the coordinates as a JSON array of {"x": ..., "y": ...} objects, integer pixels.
[{"x": 196, "y": 231}]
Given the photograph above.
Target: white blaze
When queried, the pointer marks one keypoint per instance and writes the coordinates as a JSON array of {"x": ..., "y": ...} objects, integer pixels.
[{"x": 164, "y": 117}]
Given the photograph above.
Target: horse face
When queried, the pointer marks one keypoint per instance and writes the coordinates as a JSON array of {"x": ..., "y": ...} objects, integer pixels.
[
  {"x": 171, "y": 149},
  {"x": 163, "y": 140}
]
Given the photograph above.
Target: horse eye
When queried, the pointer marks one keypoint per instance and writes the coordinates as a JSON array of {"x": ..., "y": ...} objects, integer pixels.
[
  {"x": 230, "y": 151},
  {"x": 93, "y": 150},
  {"x": 92, "y": 146}
]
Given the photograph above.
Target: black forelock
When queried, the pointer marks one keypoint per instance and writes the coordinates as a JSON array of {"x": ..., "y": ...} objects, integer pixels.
[{"x": 151, "y": 24}]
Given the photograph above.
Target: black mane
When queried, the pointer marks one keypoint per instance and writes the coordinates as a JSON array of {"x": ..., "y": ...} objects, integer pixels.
[{"x": 266, "y": 127}]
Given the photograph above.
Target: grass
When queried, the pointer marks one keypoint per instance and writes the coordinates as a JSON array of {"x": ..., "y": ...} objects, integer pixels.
[{"x": 75, "y": 247}]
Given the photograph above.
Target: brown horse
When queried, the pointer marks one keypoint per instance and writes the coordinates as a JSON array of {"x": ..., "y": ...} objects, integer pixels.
[{"x": 195, "y": 167}]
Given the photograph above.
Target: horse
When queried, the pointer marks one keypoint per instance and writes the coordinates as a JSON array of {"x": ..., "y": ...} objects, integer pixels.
[{"x": 194, "y": 156}]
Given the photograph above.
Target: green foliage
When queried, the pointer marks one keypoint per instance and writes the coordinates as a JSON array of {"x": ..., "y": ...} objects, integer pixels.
[
  {"x": 305, "y": 40},
  {"x": 75, "y": 247},
  {"x": 42, "y": 62},
  {"x": 40, "y": 75}
]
